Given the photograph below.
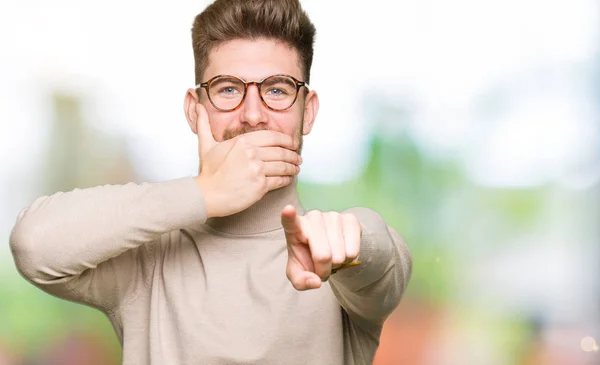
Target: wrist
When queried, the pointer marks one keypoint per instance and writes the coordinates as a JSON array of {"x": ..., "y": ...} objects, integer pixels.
[{"x": 207, "y": 196}]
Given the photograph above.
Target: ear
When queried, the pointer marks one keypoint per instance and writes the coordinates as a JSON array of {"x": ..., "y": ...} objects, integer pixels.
[
  {"x": 189, "y": 108},
  {"x": 311, "y": 108}
]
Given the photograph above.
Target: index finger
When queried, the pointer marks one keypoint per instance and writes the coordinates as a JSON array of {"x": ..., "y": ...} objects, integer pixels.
[
  {"x": 291, "y": 224},
  {"x": 269, "y": 138},
  {"x": 205, "y": 136}
]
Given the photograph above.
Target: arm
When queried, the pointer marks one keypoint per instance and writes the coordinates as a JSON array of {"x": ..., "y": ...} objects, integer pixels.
[
  {"x": 321, "y": 241},
  {"x": 96, "y": 245},
  {"x": 87, "y": 245},
  {"x": 371, "y": 291}
]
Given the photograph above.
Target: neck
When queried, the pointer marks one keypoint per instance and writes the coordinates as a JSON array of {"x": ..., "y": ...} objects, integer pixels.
[{"x": 263, "y": 216}]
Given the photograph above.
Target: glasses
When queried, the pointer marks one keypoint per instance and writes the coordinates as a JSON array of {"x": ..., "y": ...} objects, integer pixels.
[{"x": 227, "y": 93}]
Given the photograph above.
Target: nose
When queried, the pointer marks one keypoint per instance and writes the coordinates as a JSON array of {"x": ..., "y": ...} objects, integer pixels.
[{"x": 253, "y": 110}]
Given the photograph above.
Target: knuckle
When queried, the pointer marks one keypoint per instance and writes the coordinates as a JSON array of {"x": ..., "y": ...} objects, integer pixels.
[
  {"x": 250, "y": 152},
  {"x": 351, "y": 254},
  {"x": 263, "y": 184},
  {"x": 333, "y": 216},
  {"x": 282, "y": 181},
  {"x": 256, "y": 168},
  {"x": 279, "y": 166},
  {"x": 277, "y": 181},
  {"x": 325, "y": 275},
  {"x": 314, "y": 213},
  {"x": 322, "y": 258},
  {"x": 348, "y": 218},
  {"x": 338, "y": 259},
  {"x": 290, "y": 168},
  {"x": 296, "y": 283}
]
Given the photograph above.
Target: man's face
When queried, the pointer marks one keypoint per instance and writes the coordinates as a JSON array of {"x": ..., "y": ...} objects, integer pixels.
[{"x": 253, "y": 61}]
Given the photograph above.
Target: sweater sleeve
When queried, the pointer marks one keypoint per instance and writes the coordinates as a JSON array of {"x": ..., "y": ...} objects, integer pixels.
[
  {"x": 95, "y": 246},
  {"x": 370, "y": 291}
]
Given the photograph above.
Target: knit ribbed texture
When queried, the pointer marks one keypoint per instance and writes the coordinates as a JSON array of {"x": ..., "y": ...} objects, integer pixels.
[{"x": 181, "y": 289}]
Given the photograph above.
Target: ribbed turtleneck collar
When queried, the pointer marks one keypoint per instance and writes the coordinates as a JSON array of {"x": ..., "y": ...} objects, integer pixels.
[{"x": 263, "y": 216}]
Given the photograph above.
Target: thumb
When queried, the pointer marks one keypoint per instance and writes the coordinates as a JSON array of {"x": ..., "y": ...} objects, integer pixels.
[
  {"x": 302, "y": 279},
  {"x": 206, "y": 141}
]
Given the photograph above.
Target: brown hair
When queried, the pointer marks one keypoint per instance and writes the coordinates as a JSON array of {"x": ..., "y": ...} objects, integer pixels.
[{"x": 225, "y": 20}]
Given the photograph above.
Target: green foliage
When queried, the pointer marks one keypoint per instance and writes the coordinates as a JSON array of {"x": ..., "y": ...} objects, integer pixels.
[
  {"x": 427, "y": 198},
  {"x": 408, "y": 190},
  {"x": 37, "y": 320},
  {"x": 432, "y": 203}
]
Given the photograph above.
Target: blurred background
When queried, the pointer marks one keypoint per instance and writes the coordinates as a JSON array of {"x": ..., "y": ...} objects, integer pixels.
[{"x": 472, "y": 126}]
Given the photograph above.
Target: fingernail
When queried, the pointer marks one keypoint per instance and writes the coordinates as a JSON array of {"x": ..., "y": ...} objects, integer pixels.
[{"x": 312, "y": 282}]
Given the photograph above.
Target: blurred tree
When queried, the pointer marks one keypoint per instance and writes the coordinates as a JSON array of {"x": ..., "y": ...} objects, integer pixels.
[{"x": 78, "y": 157}]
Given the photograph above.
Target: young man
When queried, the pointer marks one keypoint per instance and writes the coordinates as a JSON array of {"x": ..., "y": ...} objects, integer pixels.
[{"x": 227, "y": 267}]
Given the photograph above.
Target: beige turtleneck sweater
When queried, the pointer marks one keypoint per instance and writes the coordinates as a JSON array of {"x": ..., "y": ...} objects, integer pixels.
[{"x": 181, "y": 289}]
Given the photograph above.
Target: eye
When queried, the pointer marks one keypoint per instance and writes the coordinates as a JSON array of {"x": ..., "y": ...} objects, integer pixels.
[
  {"x": 229, "y": 90},
  {"x": 278, "y": 87},
  {"x": 226, "y": 87},
  {"x": 276, "y": 92}
]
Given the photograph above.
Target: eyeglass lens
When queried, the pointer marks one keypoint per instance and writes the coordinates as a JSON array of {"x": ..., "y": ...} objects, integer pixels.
[{"x": 278, "y": 92}]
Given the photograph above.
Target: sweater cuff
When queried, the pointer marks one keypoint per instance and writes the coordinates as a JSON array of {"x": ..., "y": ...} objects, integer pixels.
[
  {"x": 375, "y": 252},
  {"x": 183, "y": 203}
]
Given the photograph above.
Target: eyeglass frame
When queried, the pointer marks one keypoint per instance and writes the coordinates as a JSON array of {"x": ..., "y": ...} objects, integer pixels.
[{"x": 206, "y": 85}]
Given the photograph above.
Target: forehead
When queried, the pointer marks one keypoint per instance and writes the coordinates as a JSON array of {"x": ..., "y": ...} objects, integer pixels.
[{"x": 253, "y": 60}]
